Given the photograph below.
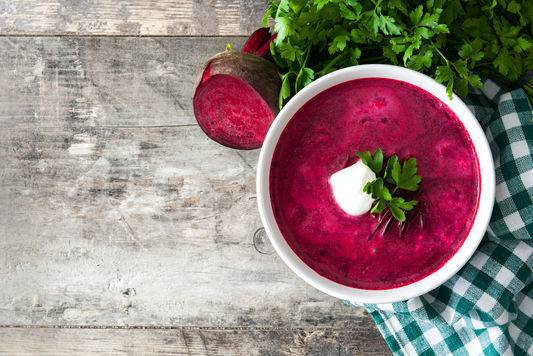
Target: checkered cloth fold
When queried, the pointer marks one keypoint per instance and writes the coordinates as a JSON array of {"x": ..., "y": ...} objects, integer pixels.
[{"x": 487, "y": 307}]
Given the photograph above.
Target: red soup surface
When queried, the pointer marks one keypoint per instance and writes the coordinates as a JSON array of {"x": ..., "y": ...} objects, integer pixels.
[{"x": 362, "y": 115}]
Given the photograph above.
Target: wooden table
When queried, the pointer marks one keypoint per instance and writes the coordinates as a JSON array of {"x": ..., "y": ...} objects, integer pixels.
[{"x": 123, "y": 228}]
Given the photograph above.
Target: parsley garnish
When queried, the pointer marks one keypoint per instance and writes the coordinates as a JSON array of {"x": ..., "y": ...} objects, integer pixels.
[
  {"x": 395, "y": 176},
  {"x": 450, "y": 40}
]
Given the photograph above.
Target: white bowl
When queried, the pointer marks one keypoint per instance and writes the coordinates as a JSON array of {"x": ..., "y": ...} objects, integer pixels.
[{"x": 486, "y": 200}]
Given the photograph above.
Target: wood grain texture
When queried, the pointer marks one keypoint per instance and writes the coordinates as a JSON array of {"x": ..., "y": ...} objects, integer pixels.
[
  {"x": 131, "y": 18},
  {"x": 47, "y": 341},
  {"x": 118, "y": 210}
]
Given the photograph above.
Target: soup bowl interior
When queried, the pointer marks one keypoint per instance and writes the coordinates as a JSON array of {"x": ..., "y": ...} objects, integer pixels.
[{"x": 486, "y": 195}]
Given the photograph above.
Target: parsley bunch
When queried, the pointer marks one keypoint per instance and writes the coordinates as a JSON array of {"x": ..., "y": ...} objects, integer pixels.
[
  {"x": 396, "y": 175},
  {"x": 449, "y": 40}
]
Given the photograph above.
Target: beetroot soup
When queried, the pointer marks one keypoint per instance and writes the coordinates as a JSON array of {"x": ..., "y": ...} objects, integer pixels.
[{"x": 362, "y": 115}]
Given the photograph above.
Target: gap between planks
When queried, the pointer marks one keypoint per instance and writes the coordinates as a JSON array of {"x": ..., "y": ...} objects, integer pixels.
[
  {"x": 100, "y": 127},
  {"x": 122, "y": 36},
  {"x": 207, "y": 328}
]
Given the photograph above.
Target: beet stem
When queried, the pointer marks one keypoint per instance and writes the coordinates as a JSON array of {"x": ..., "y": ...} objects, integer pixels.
[
  {"x": 265, "y": 49},
  {"x": 256, "y": 40}
]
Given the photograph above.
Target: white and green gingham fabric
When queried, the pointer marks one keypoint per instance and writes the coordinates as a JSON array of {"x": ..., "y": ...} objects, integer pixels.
[{"x": 487, "y": 307}]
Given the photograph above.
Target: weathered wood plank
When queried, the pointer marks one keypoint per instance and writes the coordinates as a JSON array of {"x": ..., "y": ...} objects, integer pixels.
[
  {"x": 116, "y": 208},
  {"x": 101, "y": 82},
  {"x": 131, "y": 18},
  {"x": 141, "y": 226},
  {"x": 53, "y": 341}
]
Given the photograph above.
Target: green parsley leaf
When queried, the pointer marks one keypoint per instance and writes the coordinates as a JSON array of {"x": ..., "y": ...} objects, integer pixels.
[
  {"x": 397, "y": 207},
  {"x": 461, "y": 86},
  {"x": 444, "y": 73},
  {"x": 285, "y": 88},
  {"x": 297, "y": 5},
  {"x": 475, "y": 81},
  {"x": 288, "y": 52},
  {"x": 373, "y": 22},
  {"x": 340, "y": 38},
  {"x": 387, "y": 25},
  {"x": 416, "y": 15},
  {"x": 451, "y": 40},
  {"x": 305, "y": 77},
  {"x": 423, "y": 32},
  {"x": 402, "y": 204},
  {"x": 284, "y": 27},
  {"x": 402, "y": 177},
  {"x": 352, "y": 13},
  {"x": 379, "y": 207},
  {"x": 375, "y": 163},
  {"x": 461, "y": 68},
  {"x": 377, "y": 190},
  {"x": 410, "y": 50},
  {"x": 397, "y": 212},
  {"x": 272, "y": 9},
  {"x": 391, "y": 162},
  {"x": 449, "y": 89},
  {"x": 321, "y": 3},
  {"x": 421, "y": 60},
  {"x": 400, "y": 5},
  {"x": 503, "y": 63},
  {"x": 429, "y": 20}
]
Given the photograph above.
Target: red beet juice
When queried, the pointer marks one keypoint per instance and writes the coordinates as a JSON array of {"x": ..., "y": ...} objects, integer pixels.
[{"x": 363, "y": 115}]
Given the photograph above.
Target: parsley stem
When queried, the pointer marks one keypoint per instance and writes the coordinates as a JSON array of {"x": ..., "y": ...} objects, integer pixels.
[
  {"x": 321, "y": 25},
  {"x": 529, "y": 90},
  {"x": 326, "y": 69},
  {"x": 308, "y": 51},
  {"x": 309, "y": 47},
  {"x": 497, "y": 76},
  {"x": 316, "y": 23},
  {"x": 439, "y": 52}
]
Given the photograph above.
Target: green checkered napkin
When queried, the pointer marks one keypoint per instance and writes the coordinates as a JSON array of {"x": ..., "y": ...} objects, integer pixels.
[{"x": 487, "y": 307}]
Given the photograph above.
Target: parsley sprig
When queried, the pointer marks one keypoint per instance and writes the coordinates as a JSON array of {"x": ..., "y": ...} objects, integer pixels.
[
  {"x": 397, "y": 176},
  {"x": 450, "y": 40}
]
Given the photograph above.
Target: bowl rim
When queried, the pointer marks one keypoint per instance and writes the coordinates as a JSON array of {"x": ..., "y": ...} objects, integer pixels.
[{"x": 485, "y": 203}]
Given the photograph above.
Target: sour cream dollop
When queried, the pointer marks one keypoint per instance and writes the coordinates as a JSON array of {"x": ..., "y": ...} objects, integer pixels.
[{"x": 348, "y": 184}]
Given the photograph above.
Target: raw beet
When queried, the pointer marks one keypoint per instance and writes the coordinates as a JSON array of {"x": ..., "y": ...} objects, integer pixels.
[
  {"x": 236, "y": 99},
  {"x": 232, "y": 113}
]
